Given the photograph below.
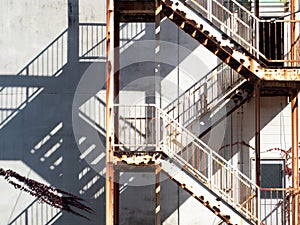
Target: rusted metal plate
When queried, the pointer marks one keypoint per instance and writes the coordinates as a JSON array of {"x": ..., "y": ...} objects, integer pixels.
[
  {"x": 135, "y": 6},
  {"x": 136, "y": 11},
  {"x": 282, "y": 74},
  {"x": 138, "y": 158},
  {"x": 123, "y": 167},
  {"x": 278, "y": 88},
  {"x": 136, "y": 17}
]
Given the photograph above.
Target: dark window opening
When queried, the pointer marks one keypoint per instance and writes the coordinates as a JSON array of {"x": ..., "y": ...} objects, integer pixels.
[
  {"x": 271, "y": 41},
  {"x": 272, "y": 176}
]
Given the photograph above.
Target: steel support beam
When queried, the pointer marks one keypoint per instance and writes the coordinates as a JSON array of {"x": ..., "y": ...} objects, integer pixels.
[
  {"x": 112, "y": 91},
  {"x": 257, "y": 142},
  {"x": 116, "y": 197},
  {"x": 257, "y": 131},
  {"x": 295, "y": 159}
]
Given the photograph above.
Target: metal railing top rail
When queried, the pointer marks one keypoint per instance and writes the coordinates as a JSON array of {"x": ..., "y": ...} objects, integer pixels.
[
  {"x": 278, "y": 189},
  {"x": 247, "y": 33},
  {"x": 201, "y": 144}
]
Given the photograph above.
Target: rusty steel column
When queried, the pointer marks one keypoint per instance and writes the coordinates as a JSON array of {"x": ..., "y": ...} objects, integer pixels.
[
  {"x": 116, "y": 112},
  {"x": 257, "y": 132},
  {"x": 295, "y": 158},
  {"x": 257, "y": 143},
  {"x": 256, "y": 8},
  {"x": 116, "y": 197},
  {"x": 157, "y": 195},
  {"x": 112, "y": 90},
  {"x": 293, "y": 31}
]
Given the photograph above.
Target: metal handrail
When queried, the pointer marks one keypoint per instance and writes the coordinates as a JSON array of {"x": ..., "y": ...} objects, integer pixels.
[
  {"x": 250, "y": 43},
  {"x": 205, "y": 94},
  {"x": 170, "y": 120},
  {"x": 200, "y": 161},
  {"x": 275, "y": 205},
  {"x": 240, "y": 25},
  {"x": 171, "y": 137}
]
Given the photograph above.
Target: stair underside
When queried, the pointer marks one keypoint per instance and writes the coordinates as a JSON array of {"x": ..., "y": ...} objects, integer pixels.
[
  {"x": 142, "y": 159},
  {"x": 222, "y": 46}
]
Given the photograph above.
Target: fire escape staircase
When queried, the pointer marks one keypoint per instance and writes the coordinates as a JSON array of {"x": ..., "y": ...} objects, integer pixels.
[
  {"x": 169, "y": 138},
  {"x": 171, "y": 142},
  {"x": 228, "y": 30},
  {"x": 149, "y": 136}
]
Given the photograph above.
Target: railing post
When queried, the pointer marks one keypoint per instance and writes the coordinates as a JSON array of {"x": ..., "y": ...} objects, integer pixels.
[
  {"x": 159, "y": 132},
  {"x": 210, "y": 168},
  {"x": 258, "y": 205},
  {"x": 205, "y": 94},
  {"x": 209, "y": 9}
]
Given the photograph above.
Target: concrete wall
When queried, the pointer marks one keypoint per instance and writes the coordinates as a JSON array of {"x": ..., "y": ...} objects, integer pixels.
[
  {"x": 39, "y": 76},
  {"x": 52, "y": 107},
  {"x": 240, "y": 127}
]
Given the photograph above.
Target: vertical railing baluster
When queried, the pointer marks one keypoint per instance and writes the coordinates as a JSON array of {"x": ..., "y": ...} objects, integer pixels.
[{"x": 135, "y": 130}]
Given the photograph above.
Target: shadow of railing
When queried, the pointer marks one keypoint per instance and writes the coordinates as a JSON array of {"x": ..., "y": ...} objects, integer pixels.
[
  {"x": 92, "y": 39},
  {"x": 48, "y": 63},
  {"x": 46, "y": 150},
  {"x": 47, "y": 215},
  {"x": 51, "y": 61}
]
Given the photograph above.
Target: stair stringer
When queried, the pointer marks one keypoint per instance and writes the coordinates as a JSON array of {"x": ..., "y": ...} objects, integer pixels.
[
  {"x": 213, "y": 39},
  {"x": 211, "y": 200},
  {"x": 228, "y": 50}
]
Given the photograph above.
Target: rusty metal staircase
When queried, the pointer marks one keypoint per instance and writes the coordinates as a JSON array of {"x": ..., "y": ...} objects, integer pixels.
[
  {"x": 147, "y": 135},
  {"x": 210, "y": 100},
  {"x": 229, "y": 31}
]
